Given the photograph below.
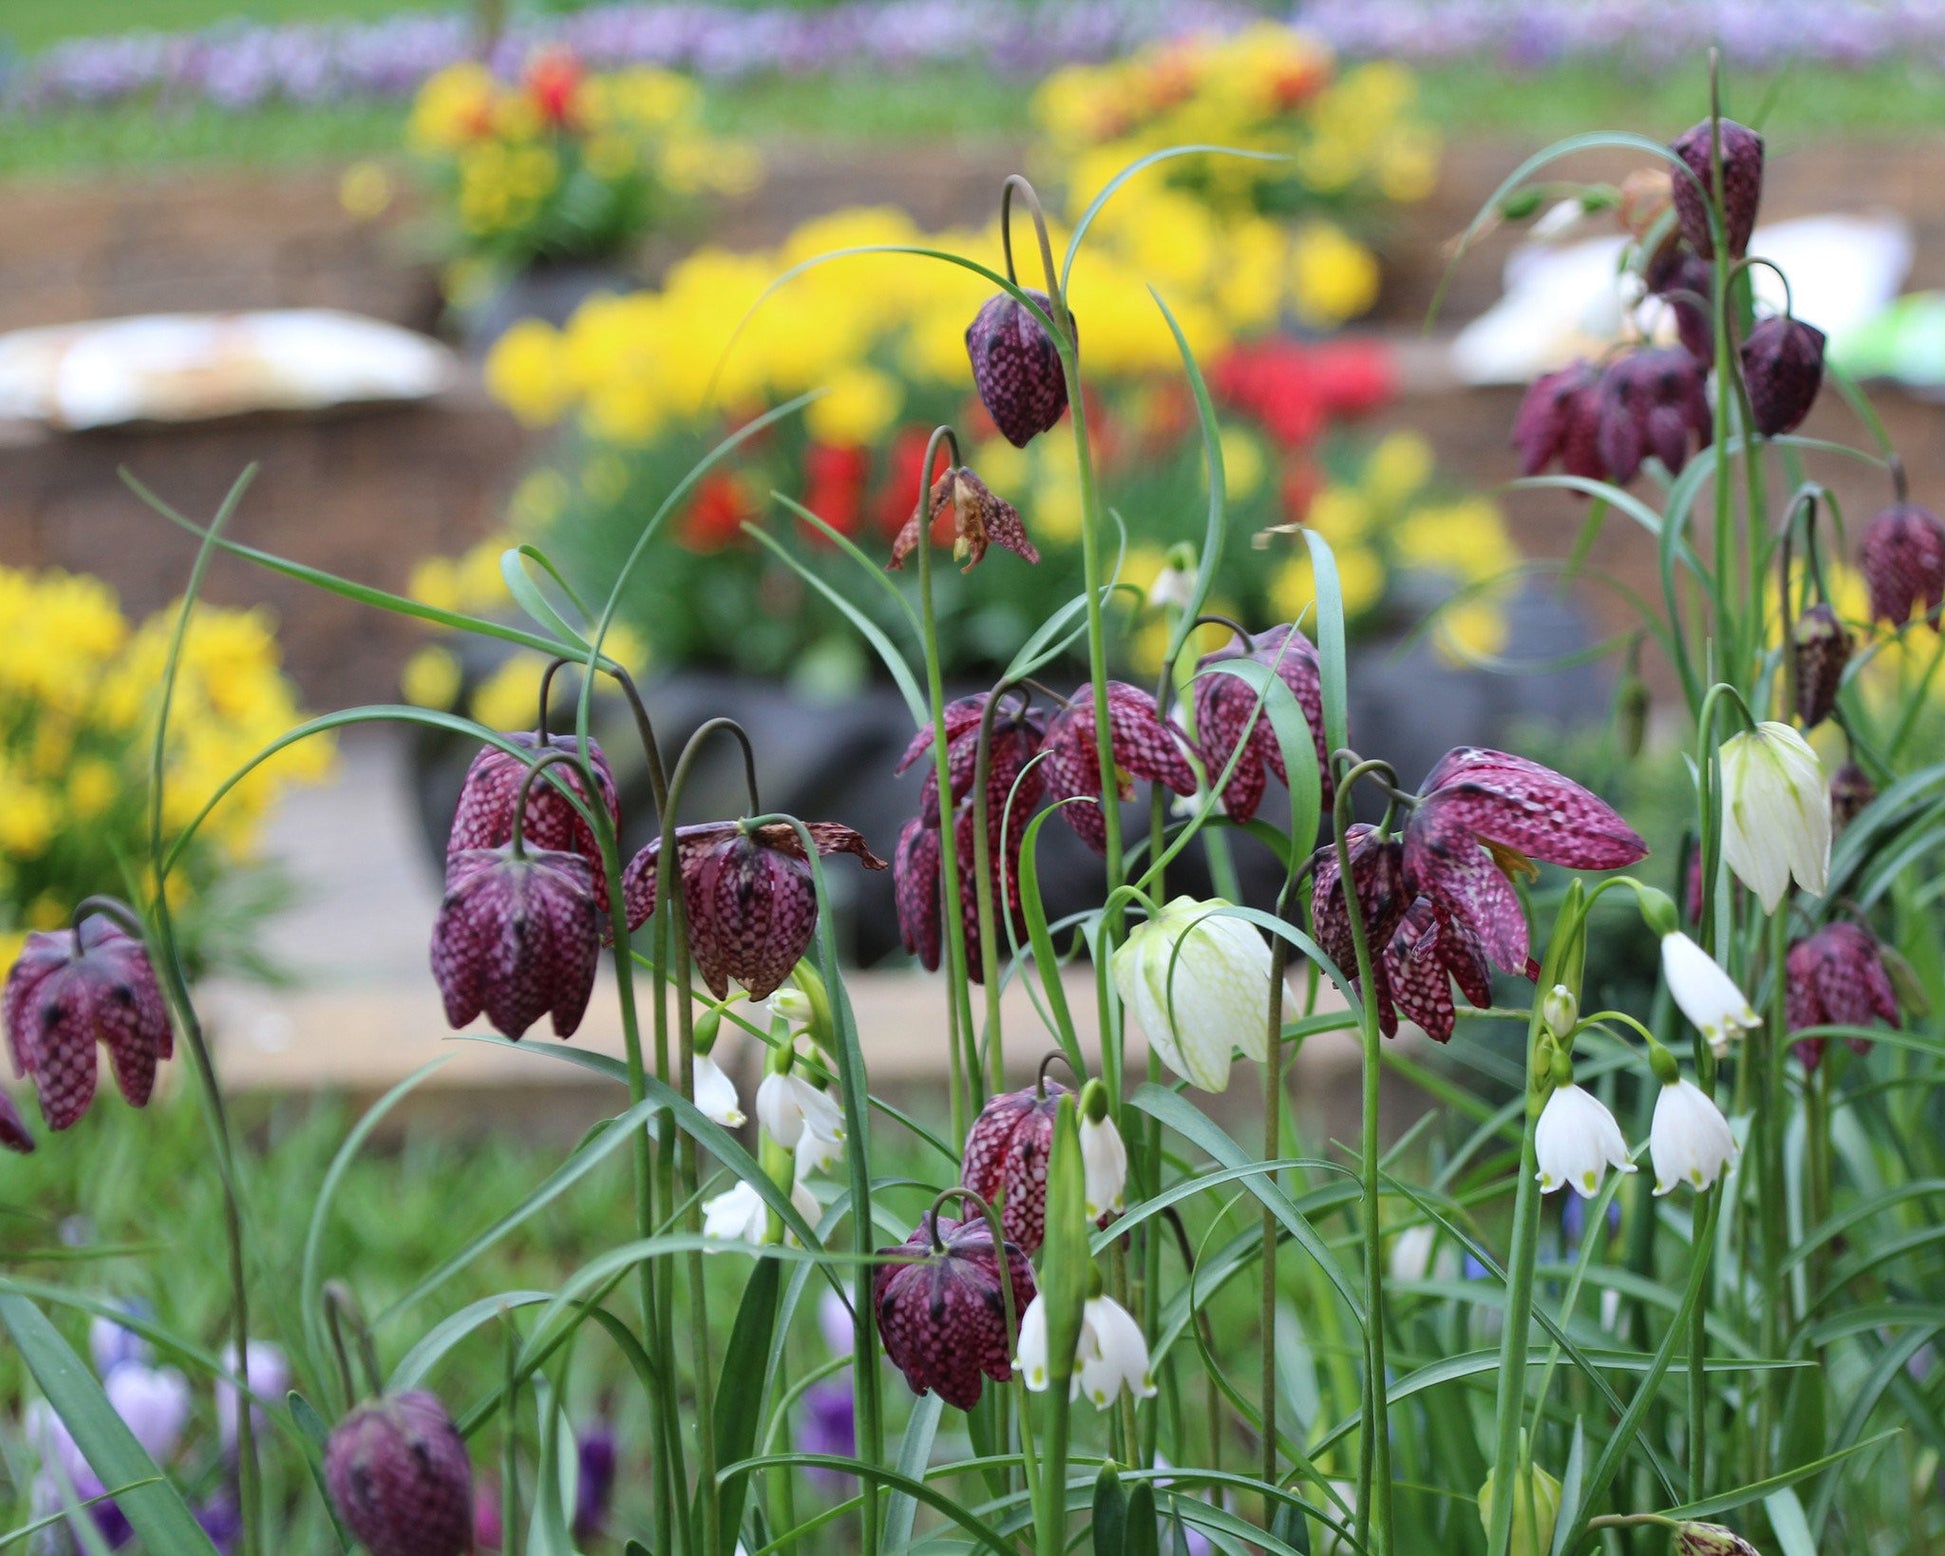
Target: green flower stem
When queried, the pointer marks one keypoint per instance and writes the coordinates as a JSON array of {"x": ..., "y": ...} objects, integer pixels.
[
  {"x": 983, "y": 843},
  {"x": 1374, "y": 1517},
  {"x": 1272, "y": 1151},
  {"x": 1561, "y": 966},
  {"x": 965, "y": 1052},
  {"x": 1770, "y": 1121}
]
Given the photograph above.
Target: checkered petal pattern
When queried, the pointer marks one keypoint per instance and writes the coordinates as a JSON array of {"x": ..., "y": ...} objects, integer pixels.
[{"x": 943, "y": 1314}]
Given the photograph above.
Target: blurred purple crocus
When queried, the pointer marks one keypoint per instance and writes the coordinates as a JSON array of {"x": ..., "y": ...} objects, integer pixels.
[
  {"x": 829, "y": 1425},
  {"x": 594, "y": 1486},
  {"x": 266, "y": 1373}
]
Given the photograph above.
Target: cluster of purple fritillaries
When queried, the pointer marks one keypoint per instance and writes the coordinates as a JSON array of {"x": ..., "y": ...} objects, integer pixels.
[{"x": 528, "y": 906}]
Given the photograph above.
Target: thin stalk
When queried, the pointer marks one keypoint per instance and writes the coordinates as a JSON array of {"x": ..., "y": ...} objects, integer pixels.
[
  {"x": 983, "y": 877},
  {"x": 965, "y": 1077},
  {"x": 1272, "y": 1151},
  {"x": 1775, "y": 1322}
]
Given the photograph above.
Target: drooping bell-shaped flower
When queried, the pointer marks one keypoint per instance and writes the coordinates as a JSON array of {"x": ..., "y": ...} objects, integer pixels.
[
  {"x": 1559, "y": 423},
  {"x": 1483, "y": 815},
  {"x": 1742, "y": 185},
  {"x": 1782, "y": 365},
  {"x": 1689, "y": 1140},
  {"x": 1378, "y": 875},
  {"x": 979, "y": 519},
  {"x": 1904, "y": 563},
  {"x": 918, "y": 881},
  {"x": 1652, "y": 401},
  {"x": 1112, "y": 1354},
  {"x": 748, "y": 894},
  {"x": 715, "y": 1093},
  {"x": 1013, "y": 782},
  {"x": 1819, "y": 648},
  {"x": 1005, "y": 1160},
  {"x": 943, "y": 1312},
  {"x": 1427, "y": 955},
  {"x": 1711, "y": 1540},
  {"x": 1836, "y": 978},
  {"x": 1196, "y": 980},
  {"x": 1685, "y": 281},
  {"x": 518, "y": 936},
  {"x": 1704, "y": 993},
  {"x": 1576, "y": 1141},
  {"x": 1775, "y": 813},
  {"x": 1225, "y": 705},
  {"x": 14, "y": 1134},
  {"x": 788, "y": 1105},
  {"x": 1104, "y": 1156},
  {"x": 74, "y": 988},
  {"x": 1145, "y": 745},
  {"x": 484, "y": 817},
  {"x": 1016, "y": 367},
  {"x": 400, "y": 1478}
]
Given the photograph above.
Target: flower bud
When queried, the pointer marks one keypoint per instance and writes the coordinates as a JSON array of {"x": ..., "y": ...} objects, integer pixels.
[
  {"x": 400, "y": 1478},
  {"x": 1197, "y": 982},
  {"x": 1560, "y": 1012},
  {"x": 1711, "y": 1540},
  {"x": 1820, "y": 646},
  {"x": 72, "y": 989},
  {"x": 1742, "y": 185},
  {"x": 1782, "y": 366},
  {"x": 518, "y": 936},
  {"x": 1904, "y": 563},
  {"x": 1851, "y": 790},
  {"x": 1775, "y": 812},
  {"x": 1536, "y": 1508},
  {"x": 1016, "y": 367}
]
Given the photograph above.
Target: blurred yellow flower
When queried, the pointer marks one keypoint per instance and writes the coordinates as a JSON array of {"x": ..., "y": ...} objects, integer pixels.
[
  {"x": 528, "y": 373},
  {"x": 365, "y": 190},
  {"x": 858, "y": 408},
  {"x": 1333, "y": 278},
  {"x": 1398, "y": 468},
  {"x": 431, "y": 678}
]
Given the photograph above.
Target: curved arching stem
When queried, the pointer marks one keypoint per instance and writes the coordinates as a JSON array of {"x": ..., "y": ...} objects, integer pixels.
[
  {"x": 1017, "y": 184},
  {"x": 540, "y": 764}
]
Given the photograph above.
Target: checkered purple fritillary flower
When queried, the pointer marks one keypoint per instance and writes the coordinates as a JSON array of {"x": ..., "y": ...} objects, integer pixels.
[
  {"x": 14, "y": 1135},
  {"x": 1378, "y": 877},
  {"x": 1016, "y": 367},
  {"x": 518, "y": 936},
  {"x": 1483, "y": 816},
  {"x": 748, "y": 893},
  {"x": 74, "y": 988},
  {"x": 1224, "y": 704},
  {"x": 1782, "y": 365},
  {"x": 484, "y": 817},
  {"x": 943, "y": 1313},
  {"x": 1006, "y": 1159},
  {"x": 400, "y": 1478},
  {"x": 1651, "y": 401},
  {"x": 1742, "y": 185},
  {"x": 1145, "y": 745},
  {"x": 1904, "y": 562},
  {"x": 1428, "y": 953},
  {"x": 979, "y": 519},
  {"x": 1559, "y": 422},
  {"x": 1836, "y": 977}
]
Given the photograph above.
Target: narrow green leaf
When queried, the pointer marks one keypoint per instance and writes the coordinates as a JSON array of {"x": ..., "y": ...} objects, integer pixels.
[
  {"x": 154, "y": 1508},
  {"x": 739, "y": 1392},
  {"x": 914, "y": 1455}
]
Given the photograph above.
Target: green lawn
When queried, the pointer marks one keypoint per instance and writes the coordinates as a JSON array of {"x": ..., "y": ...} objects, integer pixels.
[
  {"x": 33, "y": 24},
  {"x": 941, "y": 105}
]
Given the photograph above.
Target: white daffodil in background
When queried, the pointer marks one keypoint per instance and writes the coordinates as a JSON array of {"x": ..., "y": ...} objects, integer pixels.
[
  {"x": 1104, "y": 1155},
  {"x": 1775, "y": 812},
  {"x": 1689, "y": 1140},
  {"x": 1197, "y": 983},
  {"x": 1706, "y": 994},
  {"x": 1576, "y": 1141}
]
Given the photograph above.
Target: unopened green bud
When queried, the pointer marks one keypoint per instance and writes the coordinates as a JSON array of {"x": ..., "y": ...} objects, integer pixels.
[
  {"x": 1662, "y": 1062},
  {"x": 1110, "y": 1511},
  {"x": 1563, "y": 1068},
  {"x": 1094, "y": 1101},
  {"x": 1560, "y": 1011},
  {"x": 1521, "y": 204},
  {"x": 1657, "y": 910},
  {"x": 1536, "y": 1508},
  {"x": 1631, "y": 714},
  {"x": 708, "y": 1025}
]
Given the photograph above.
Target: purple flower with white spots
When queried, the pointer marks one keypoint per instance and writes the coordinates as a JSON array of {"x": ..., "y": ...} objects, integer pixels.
[
  {"x": 748, "y": 893},
  {"x": 943, "y": 1313},
  {"x": 1006, "y": 1159},
  {"x": 72, "y": 989},
  {"x": 1224, "y": 704},
  {"x": 1483, "y": 816},
  {"x": 1016, "y": 367},
  {"x": 484, "y": 816},
  {"x": 518, "y": 936},
  {"x": 1145, "y": 745},
  {"x": 400, "y": 1477},
  {"x": 1836, "y": 977}
]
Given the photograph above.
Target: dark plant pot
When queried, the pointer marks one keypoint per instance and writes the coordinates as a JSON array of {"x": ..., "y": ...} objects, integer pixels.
[
  {"x": 833, "y": 761},
  {"x": 548, "y": 290}
]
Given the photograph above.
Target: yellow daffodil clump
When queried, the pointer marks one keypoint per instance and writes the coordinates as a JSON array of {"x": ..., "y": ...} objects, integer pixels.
[
  {"x": 561, "y": 164},
  {"x": 79, "y": 694}
]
